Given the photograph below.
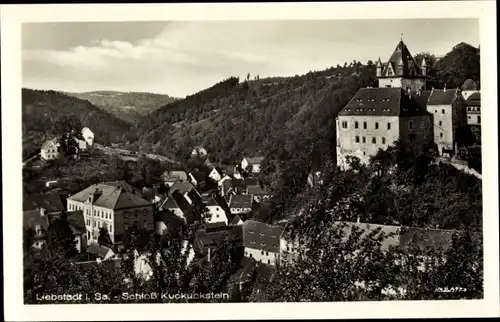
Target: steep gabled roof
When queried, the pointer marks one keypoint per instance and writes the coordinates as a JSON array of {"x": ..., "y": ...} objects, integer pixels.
[
  {"x": 33, "y": 218},
  {"x": 442, "y": 97},
  {"x": 261, "y": 236},
  {"x": 198, "y": 175},
  {"x": 386, "y": 101},
  {"x": 474, "y": 99},
  {"x": 401, "y": 57},
  {"x": 469, "y": 85},
  {"x": 251, "y": 181},
  {"x": 181, "y": 187},
  {"x": 240, "y": 201},
  {"x": 101, "y": 251},
  {"x": 255, "y": 190},
  {"x": 47, "y": 144},
  {"x": 50, "y": 202},
  {"x": 254, "y": 160}
]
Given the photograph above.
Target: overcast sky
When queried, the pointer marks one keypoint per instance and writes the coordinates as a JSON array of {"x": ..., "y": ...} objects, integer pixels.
[{"x": 181, "y": 58}]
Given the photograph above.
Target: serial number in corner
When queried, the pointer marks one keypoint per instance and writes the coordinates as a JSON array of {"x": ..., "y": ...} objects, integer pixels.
[{"x": 450, "y": 289}]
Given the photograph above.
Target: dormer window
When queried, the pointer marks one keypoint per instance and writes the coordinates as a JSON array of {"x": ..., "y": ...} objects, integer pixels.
[
  {"x": 359, "y": 100},
  {"x": 371, "y": 100}
]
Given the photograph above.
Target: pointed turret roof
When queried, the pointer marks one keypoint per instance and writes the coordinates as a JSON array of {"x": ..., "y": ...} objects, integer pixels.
[
  {"x": 379, "y": 62},
  {"x": 423, "y": 62},
  {"x": 402, "y": 57}
]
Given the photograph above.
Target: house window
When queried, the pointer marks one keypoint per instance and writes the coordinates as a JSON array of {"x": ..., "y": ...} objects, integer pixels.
[
  {"x": 468, "y": 108},
  {"x": 478, "y": 109},
  {"x": 357, "y": 139},
  {"x": 269, "y": 261},
  {"x": 267, "y": 253},
  {"x": 478, "y": 119},
  {"x": 383, "y": 140},
  {"x": 125, "y": 215},
  {"x": 364, "y": 139},
  {"x": 364, "y": 125},
  {"x": 441, "y": 134},
  {"x": 410, "y": 125},
  {"x": 388, "y": 126},
  {"x": 469, "y": 118},
  {"x": 110, "y": 227},
  {"x": 262, "y": 252},
  {"x": 287, "y": 248},
  {"x": 356, "y": 124},
  {"x": 441, "y": 122},
  {"x": 374, "y": 140},
  {"x": 344, "y": 124},
  {"x": 442, "y": 111},
  {"x": 376, "y": 125},
  {"x": 88, "y": 234},
  {"x": 251, "y": 255}
]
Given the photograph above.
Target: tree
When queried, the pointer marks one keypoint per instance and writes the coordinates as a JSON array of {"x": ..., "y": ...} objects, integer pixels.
[
  {"x": 104, "y": 237},
  {"x": 61, "y": 239}
]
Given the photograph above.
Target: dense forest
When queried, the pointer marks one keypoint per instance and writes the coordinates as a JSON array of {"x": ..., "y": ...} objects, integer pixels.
[
  {"x": 128, "y": 106},
  {"x": 41, "y": 110}
]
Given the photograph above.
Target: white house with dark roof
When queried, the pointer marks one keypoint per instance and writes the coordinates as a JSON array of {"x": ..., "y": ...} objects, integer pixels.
[
  {"x": 88, "y": 136},
  {"x": 447, "y": 107},
  {"x": 173, "y": 176},
  {"x": 240, "y": 204},
  {"x": 114, "y": 205},
  {"x": 215, "y": 174},
  {"x": 187, "y": 190},
  {"x": 257, "y": 192},
  {"x": 49, "y": 150},
  {"x": 217, "y": 212},
  {"x": 473, "y": 104},
  {"x": 261, "y": 241},
  {"x": 38, "y": 221},
  {"x": 252, "y": 164}
]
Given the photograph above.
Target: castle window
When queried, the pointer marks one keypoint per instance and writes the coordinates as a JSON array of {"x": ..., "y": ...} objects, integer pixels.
[
  {"x": 469, "y": 118},
  {"x": 356, "y": 124},
  {"x": 388, "y": 126},
  {"x": 383, "y": 140},
  {"x": 374, "y": 140},
  {"x": 344, "y": 124},
  {"x": 441, "y": 134},
  {"x": 478, "y": 119},
  {"x": 468, "y": 108},
  {"x": 442, "y": 111},
  {"x": 357, "y": 139},
  {"x": 478, "y": 109},
  {"x": 440, "y": 123},
  {"x": 410, "y": 125},
  {"x": 364, "y": 125},
  {"x": 364, "y": 139},
  {"x": 376, "y": 125}
]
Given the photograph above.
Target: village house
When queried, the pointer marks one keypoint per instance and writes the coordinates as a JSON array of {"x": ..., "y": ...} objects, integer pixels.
[
  {"x": 217, "y": 212},
  {"x": 240, "y": 204},
  {"x": 151, "y": 195},
  {"x": 257, "y": 192},
  {"x": 50, "y": 202},
  {"x": 261, "y": 241},
  {"x": 100, "y": 252},
  {"x": 88, "y": 136},
  {"x": 252, "y": 164},
  {"x": 198, "y": 178},
  {"x": 177, "y": 204},
  {"x": 76, "y": 222},
  {"x": 49, "y": 150},
  {"x": 236, "y": 221},
  {"x": 187, "y": 190},
  {"x": 215, "y": 174},
  {"x": 473, "y": 104},
  {"x": 376, "y": 117},
  {"x": 205, "y": 240},
  {"x": 448, "y": 109},
  {"x": 167, "y": 221},
  {"x": 113, "y": 205},
  {"x": 38, "y": 222},
  {"x": 173, "y": 176},
  {"x": 468, "y": 88}
]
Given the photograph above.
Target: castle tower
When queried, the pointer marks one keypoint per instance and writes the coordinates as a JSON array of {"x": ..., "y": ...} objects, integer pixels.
[
  {"x": 424, "y": 67},
  {"x": 401, "y": 70},
  {"x": 379, "y": 67}
]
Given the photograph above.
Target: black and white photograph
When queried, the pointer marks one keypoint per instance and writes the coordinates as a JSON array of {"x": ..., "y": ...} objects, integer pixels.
[{"x": 231, "y": 160}]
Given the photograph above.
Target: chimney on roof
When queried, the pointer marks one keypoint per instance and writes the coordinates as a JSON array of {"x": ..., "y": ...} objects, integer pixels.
[
  {"x": 42, "y": 212},
  {"x": 358, "y": 220},
  {"x": 444, "y": 89}
]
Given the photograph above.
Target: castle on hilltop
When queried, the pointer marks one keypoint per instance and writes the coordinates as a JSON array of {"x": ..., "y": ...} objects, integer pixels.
[{"x": 400, "y": 108}]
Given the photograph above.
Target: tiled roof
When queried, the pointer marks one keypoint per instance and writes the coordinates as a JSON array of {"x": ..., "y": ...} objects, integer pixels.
[
  {"x": 402, "y": 57},
  {"x": 181, "y": 187},
  {"x": 238, "y": 183},
  {"x": 205, "y": 239},
  {"x": 32, "y": 218},
  {"x": 47, "y": 143},
  {"x": 442, "y": 97},
  {"x": 51, "y": 202},
  {"x": 76, "y": 221},
  {"x": 474, "y": 99},
  {"x": 236, "y": 220},
  {"x": 386, "y": 101},
  {"x": 419, "y": 239},
  {"x": 347, "y": 228},
  {"x": 214, "y": 225},
  {"x": 211, "y": 202},
  {"x": 250, "y": 181},
  {"x": 240, "y": 201},
  {"x": 469, "y": 85},
  {"x": 226, "y": 185},
  {"x": 254, "y": 160},
  {"x": 124, "y": 185},
  {"x": 255, "y": 190},
  {"x": 261, "y": 236},
  {"x": 112, "y": 195},
  {"x": 198, "y": 175},
  {"x": 171, "y": 220}
]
